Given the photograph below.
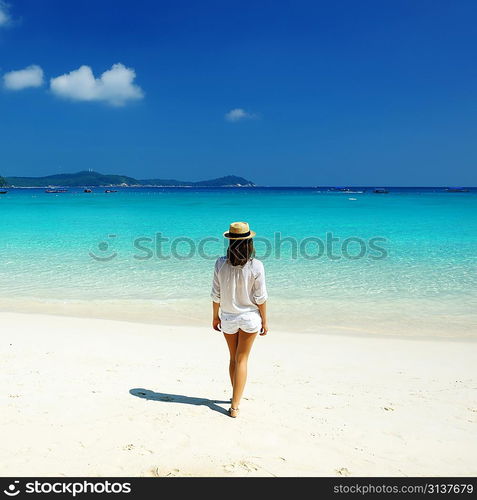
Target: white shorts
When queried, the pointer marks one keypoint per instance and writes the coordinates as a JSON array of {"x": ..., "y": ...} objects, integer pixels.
[{"x": 249, "y": 322}]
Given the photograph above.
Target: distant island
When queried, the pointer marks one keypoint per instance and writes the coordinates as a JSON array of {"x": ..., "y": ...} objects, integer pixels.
[{"x": 96, "y": 179}]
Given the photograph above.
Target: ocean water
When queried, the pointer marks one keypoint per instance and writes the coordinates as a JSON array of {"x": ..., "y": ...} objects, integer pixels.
[{"x": 399, "y": 263}]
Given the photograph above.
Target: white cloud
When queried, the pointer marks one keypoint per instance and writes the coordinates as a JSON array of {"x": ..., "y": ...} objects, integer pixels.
[
  {"x": 31, "y": 76},
  {"x": 4, "y": 17},
  {"x": 114, "y": 86},
  {"x": 238, "y": 114}
]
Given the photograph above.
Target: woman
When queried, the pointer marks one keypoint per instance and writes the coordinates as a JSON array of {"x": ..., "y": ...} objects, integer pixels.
[{"x": 239, "y": 291}]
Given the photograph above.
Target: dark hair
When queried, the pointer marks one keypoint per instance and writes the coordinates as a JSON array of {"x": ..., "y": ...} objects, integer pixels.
[{"x": 240, "y": 251}]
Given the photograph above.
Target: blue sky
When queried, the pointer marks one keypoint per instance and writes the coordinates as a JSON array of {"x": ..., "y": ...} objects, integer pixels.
[{"x": 280, "y": 92}]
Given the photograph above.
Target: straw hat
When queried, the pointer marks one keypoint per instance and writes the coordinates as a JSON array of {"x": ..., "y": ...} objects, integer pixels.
[{"x": 239, "y": 231}]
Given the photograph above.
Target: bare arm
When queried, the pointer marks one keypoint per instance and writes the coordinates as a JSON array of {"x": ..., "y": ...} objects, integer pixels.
[
  {"x": 215, "y": 316},
  {"x": 262, "y": 308}
]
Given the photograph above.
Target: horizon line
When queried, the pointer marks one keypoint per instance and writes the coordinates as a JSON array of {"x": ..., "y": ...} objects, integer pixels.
[{"x": 314, "y": 186}]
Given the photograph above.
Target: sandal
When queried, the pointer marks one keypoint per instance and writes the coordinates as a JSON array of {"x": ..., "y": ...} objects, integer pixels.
[{"x": 234, "y": 412}]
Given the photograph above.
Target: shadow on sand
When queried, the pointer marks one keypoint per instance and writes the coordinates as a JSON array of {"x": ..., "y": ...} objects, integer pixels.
[{"x": 178, "y": 398}]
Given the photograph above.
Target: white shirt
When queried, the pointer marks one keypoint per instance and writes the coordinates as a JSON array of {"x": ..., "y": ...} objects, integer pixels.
[{"x": 239, "y": 289}]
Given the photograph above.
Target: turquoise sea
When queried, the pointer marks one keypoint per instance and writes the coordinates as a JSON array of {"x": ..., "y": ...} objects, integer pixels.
[{"x": 398, "y": 263}]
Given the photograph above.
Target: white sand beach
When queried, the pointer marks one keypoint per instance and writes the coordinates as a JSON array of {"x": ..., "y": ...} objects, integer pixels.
[{"x": 91, "y": 397}]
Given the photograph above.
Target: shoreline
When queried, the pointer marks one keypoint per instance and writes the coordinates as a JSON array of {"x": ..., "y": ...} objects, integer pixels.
[
  {"x": 95, "y": 397},
  {"x": 81, "y": 310}
]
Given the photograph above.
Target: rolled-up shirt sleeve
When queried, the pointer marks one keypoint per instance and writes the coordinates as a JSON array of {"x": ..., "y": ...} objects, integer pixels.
[
  {"x": 260, "y": 294},
  {"x": 215, "y": 293}
]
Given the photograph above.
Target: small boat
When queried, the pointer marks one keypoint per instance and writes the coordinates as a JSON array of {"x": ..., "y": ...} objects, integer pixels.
[
  {"x": 346, "y": 190},
  {"x": 110, "y": 191},
  {"x": 457, "y": 190},
  {"x": 380, "y": 191},
  {"x": 56, "y": 190},
  {"x": 87, "y": 191},
  {"x": 341, "y": 189},
  {"x": 3, "y": 192}
]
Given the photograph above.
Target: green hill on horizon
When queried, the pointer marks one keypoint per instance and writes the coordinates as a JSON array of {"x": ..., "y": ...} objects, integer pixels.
[{"x": 93, "y": 179}]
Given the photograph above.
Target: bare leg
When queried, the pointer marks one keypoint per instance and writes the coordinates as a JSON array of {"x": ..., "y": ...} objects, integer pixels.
[
  {"x": 245, "y": 342},
  {"x": 232, "y": 342}
]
